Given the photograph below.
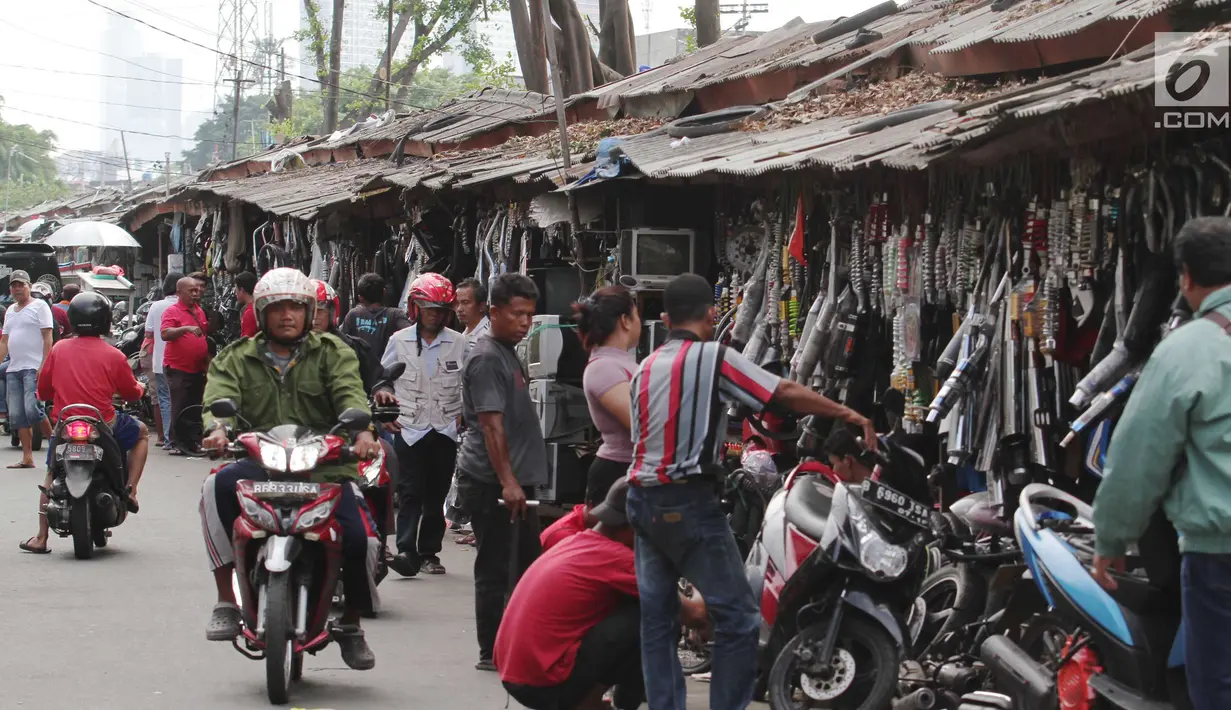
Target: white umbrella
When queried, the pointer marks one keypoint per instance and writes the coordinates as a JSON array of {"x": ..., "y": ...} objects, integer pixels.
[
  {"x": 28, "y": 228},
  {"x": 92, "y": 234}
]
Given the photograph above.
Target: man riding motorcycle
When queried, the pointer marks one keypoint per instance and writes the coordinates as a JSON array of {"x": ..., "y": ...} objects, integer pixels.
[
  {"x": 288, "y": 374},
  {"x": 88, "y": 370}
]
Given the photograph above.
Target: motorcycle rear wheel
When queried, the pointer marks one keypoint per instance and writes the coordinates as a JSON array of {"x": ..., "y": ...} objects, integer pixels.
[
  {"x": 79, "y": 521},
  {"x": 954, "y": 598},
  {"x": 279, "y": 638},
  {"x": 868, "y": 655}
]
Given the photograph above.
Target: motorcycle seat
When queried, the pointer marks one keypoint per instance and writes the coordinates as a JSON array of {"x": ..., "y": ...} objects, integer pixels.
[
  {"x": 977, "y": 513},
  {"x": 808, "y": 503}
]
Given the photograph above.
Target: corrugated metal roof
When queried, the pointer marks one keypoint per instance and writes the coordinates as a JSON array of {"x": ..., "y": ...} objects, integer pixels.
[{"x": 301, "y": 193}]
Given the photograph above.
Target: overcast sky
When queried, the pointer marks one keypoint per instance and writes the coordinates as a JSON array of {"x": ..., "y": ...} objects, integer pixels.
[{"x": 67, "y": 36}]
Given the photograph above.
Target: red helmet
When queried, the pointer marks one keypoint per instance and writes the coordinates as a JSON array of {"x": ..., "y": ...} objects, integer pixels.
[
  {"x": 431, "y": 291},
  {"x": 326, "y": 297}
]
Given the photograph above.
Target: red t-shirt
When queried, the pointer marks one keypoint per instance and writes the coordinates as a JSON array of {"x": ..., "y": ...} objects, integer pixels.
[
  {"x": 86, "y": 370},
  {"x": 568, "y": 590},
  {"x": 189, "y": 352},
  {"x": 564, "y": 528},
  {"x": 247, "y": 322}
]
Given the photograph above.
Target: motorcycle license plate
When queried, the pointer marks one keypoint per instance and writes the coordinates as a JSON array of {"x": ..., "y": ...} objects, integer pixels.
[
  {"x": 279, "y": 489},
  {"x": 79, "y": 452},
  {"x": 899, "y": 504}
]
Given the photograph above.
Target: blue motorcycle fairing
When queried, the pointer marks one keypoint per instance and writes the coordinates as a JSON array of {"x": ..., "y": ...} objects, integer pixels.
[
  {"x": 1046, "y": 553},
  {"x": 1096, "y": 447}
]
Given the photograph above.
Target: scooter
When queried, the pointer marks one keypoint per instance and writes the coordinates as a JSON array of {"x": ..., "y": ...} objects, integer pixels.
[
  {"x": 1120, "y": 647},
  {"x": 288, "y": 546},
  {"x": 88, "y": 493}
]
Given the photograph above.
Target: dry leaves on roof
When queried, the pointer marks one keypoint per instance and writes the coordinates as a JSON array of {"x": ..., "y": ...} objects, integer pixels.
[
  {"x": 1026, "y": 9},
  {"x": 583, "y": 137},
  {"x": 881, "y": 98}
]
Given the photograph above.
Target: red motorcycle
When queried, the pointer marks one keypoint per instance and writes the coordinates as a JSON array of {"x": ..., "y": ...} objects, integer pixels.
[
  {"x": 288, "y": 546},
  {"x": 376, "y": 477}
]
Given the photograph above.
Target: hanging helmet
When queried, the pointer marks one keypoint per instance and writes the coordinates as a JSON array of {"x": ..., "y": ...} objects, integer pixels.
[
  {"x": 431, "y": 291},
  {"x": 90, "y": 314},
  {"x": 284, "y": 284},
  {"x": 41, "y": 290},
  {"x": 326, "y": 297}
]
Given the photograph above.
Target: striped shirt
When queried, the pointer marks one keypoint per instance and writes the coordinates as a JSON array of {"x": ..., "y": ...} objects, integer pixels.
[{"x": 679, "y": 397}]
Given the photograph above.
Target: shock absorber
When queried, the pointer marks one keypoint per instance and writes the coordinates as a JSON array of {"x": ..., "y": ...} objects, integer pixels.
[{"x": 927, "y": 258}]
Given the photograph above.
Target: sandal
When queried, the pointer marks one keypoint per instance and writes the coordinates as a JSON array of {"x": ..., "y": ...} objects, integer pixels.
[
  {"x": 20, "y": 465},
  {"x": 224, "y": 622},
  {"x": 27, "y": 547}
]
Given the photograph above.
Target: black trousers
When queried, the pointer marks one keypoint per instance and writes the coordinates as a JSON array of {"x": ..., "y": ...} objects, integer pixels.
[
  {"x": 187, "y": 391},
  {"x": 424, "y": 476},
  {"x": 497, "y": 563},
  {"x": 609, "y": 655}
]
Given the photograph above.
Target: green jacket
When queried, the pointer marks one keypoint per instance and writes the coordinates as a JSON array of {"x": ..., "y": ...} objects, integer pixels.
[
  {"x": 320, "y": 383},
  {"x": 1173, "y": 443}
]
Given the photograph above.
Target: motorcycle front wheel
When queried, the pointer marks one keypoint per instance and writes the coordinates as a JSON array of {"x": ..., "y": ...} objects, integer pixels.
[
  {"x": 79, "y": 521},
  {"x": 279, "y": 638},
  {"x": 862, "y": 673}
]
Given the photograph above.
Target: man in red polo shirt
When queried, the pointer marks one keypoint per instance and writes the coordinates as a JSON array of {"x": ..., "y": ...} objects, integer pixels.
[
  {"x": 572, "y": 628},
  {"x": 185, "y": 360},
  {"x": 245, "y": 282}
]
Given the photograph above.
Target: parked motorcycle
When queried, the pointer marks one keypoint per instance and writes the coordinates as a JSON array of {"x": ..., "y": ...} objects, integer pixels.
[
  {"x": 376, "y": 479},
  {"x": 288, "y": 545},
  {"x": 1119, "y": 647},
  {"x": 142, "y": 409},
  {"x": 88, "y": 493}
]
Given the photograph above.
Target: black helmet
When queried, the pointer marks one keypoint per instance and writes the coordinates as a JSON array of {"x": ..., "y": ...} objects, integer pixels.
[{"x": 90, "y": 314}]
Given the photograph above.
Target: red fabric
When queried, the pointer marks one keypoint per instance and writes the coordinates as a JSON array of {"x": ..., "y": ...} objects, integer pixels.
[
  {"x": 60, "y": 316},
  {"x": 86, "y": 370},
  {"x": 564, "y": 528},
  {"x": 568, "y": 590},
  {"x": 189, "y": 352},
  {"x": 818, "y": 467},
  {"x": 673, "y": 412},
  {"x": 797, "y": 237},
  {"x": 247, "y": 322}
]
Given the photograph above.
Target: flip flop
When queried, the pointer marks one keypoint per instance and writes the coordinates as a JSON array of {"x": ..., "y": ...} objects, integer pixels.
[
  {"x": 20, "y": 465},
  {"x": 27, "y": 547}
]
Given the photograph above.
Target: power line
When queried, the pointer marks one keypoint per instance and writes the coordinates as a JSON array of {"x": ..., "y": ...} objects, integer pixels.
[
  {"x": 107, "y": 103},
  {"x": 107, "y": 76},
  {"x": 87, "y": 156},
  {"x": 121, "y": 130}
]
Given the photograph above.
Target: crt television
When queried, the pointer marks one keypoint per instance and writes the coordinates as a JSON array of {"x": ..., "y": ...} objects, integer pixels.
[
  {"x": 552, "y": 351},
  {"x": 655, "y": 256}
]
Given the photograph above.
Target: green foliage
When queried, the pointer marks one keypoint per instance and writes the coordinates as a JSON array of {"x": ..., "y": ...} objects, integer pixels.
[
  {"x": 21, "y": 195},
  {"x": 688, "y": 13},
  {"x": 214, "y": 135},
  {"x": 33, "y": 170}
]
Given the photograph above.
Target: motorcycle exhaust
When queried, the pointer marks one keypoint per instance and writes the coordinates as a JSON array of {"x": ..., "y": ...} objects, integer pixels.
[
  {"x": 921, "y": 699},
  {"x": 1019, "y": 675}
]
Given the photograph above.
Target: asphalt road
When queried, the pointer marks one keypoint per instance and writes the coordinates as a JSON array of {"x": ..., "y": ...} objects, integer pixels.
[{"x": 126, "y": 630}]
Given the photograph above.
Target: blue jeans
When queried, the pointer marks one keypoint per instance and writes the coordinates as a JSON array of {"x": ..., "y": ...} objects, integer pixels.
[
  {"x": 1207, "y": 626},
  {"x": 163, "y": 392},
  {"x": 4, "y": 390},
  {"x": 25, "y": 411},
  {"x": 681, "y": 532}
]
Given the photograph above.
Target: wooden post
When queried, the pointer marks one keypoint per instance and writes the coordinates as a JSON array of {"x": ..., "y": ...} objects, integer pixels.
[
  {"x": 127, "y": 169},
  {"x": 557, "y": 88}
]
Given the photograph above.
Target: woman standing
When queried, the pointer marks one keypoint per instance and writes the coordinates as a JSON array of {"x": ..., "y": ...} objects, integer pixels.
[{"x": 610, "y": 329}]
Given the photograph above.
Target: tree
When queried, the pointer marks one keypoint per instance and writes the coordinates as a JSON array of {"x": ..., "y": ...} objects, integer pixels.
[
  {"x": 335, "y": 67},
  {"x": 33, "y": 170},
  {"x": 213, "y": 136},
  {"x": 617, "y": 45},
  {"x": 708, "y": 27},
  {"x": 689, "y": 16}
]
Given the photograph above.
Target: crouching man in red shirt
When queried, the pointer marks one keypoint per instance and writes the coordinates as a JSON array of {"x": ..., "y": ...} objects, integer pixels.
[
  {"x": 87, "y": 370},
  {"x": 572, "y": 628}
]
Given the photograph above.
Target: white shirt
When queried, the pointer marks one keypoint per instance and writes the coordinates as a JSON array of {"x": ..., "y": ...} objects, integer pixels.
[
  {"x": 431, "y": 355},
  {"x": 24, "y": 328},
  {"x": 154, "y": 317},
  {"x": 483, "y": 328}
]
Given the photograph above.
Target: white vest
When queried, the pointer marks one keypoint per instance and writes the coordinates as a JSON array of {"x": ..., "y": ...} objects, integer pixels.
[{"x": 430, "y": 402}]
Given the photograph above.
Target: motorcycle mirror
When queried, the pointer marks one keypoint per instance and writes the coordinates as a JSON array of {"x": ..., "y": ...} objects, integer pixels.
[
  {"x": 393, "y": 372},
  {"x": 225, "y": 408},
  {"x": 352, "y": 419}
]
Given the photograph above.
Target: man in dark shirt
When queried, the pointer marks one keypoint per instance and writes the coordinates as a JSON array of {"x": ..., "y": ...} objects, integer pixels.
[
  {"x": 373, "y": 322},
  {"x": 503, "y": 456}
]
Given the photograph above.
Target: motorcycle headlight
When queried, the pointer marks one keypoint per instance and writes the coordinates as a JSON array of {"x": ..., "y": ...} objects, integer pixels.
[
  {"x": 876, "y": 554},
  {"x": 304, "y": 457},
  {"x": 258, "y": 514},
  {"x": 316, "y": 515},
  {"x": 371, "y": 468},
  {"x": 273, "y": 457}
]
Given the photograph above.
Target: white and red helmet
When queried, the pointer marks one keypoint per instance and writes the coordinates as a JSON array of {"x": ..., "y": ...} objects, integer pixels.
[
  {"x": 430, "y": 291},
  {"x": 326, "y": 297},
  {"x": 284, "y": 284}
]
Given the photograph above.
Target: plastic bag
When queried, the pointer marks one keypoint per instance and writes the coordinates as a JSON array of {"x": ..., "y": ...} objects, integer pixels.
[
  {"x": 759, "y": 464},
  {"x": 108, "y": 270}
]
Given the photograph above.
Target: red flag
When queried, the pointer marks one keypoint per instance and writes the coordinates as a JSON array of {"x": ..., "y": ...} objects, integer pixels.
[{"x": 797, "y": 237}]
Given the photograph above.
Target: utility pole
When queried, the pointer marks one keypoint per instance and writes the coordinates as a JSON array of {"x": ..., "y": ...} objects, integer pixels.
[
  {"x": 238, "y": 80},
  {"x": 389, "y": 56},
  {"x": 127, "y": 170},
  {"x": 557, "y": 85},
  {"x": 167, "y": 168}
]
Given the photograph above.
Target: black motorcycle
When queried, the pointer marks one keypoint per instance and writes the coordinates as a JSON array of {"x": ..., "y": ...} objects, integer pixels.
[
  {"x": 845, "y": 608},
  {"x": 88, "y": 491}
]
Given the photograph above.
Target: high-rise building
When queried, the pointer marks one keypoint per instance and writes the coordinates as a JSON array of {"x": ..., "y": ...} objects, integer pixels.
[
  {"x": 146, "y": 99},
  {"x": 656, "y": 48},
  {"x": 498, "y": 29},
  {"x": 364, "y": 36}
]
